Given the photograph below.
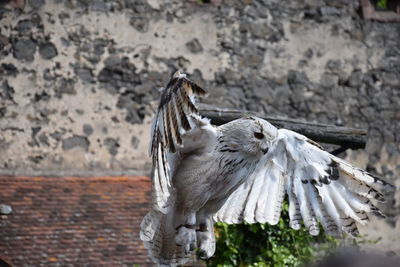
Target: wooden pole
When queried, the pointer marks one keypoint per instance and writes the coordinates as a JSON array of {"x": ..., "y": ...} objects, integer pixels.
[{"x": 343, "y": 136}]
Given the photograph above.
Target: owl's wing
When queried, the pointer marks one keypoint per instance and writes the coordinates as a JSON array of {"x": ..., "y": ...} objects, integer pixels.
[
  {"x": 177, "y": 128},
  {"x": 320, "y": 187}
]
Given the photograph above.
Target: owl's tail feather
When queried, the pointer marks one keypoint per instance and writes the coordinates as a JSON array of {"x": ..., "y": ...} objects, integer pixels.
[{"x": 158, "y": 235}]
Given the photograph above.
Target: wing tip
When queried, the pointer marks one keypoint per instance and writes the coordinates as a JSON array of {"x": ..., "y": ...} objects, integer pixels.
[
  {"x": 295, "y": 225},
  {"x": 314, "y": 231},
  {"x": 178, "y": 74},
  {"x": 199, "y": 91},
  {"x": 273, "y": 221}
]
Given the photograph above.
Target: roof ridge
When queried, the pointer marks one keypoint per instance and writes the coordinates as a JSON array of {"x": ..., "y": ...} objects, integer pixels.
[{"x": 126, "y": 178}]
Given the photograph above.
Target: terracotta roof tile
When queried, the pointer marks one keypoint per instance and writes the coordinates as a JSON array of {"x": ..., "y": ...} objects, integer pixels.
[{"x": 73, "y": 221}]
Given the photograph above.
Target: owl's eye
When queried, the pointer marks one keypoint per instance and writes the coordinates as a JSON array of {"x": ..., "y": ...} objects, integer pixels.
[{"x": 258, "y": 135}]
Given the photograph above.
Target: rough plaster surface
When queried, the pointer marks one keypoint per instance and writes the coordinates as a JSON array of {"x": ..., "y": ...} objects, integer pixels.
[{"x": 79, "y": 79}]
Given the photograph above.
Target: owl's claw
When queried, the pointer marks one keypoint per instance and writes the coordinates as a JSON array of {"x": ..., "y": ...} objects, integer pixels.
[
  {"x": 206, "y": 240},
  {"x": 186, "y": 237}
]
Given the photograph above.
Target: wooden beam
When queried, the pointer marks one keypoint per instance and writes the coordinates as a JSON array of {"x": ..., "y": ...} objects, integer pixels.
[{"x": 343, "y": 136}]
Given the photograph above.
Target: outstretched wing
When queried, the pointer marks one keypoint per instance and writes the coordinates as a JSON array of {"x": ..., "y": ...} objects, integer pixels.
[
  {"x": 320, "y": 187},
  {"x": 176, "y": 118}
]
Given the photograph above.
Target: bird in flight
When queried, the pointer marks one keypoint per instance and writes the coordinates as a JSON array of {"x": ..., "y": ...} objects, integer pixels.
[{"x": 240, "y": 172}]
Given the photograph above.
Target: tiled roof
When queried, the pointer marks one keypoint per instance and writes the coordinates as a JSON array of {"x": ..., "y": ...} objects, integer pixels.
[{"x": 73, "y": 221}]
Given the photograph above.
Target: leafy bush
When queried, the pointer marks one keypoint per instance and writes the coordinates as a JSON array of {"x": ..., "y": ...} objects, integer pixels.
[
  {"x": 382, "y": 4},
  {"x": 259, "y": 245}
]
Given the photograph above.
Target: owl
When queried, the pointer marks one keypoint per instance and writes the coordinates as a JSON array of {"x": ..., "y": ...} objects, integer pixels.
[{"x": 240, "y": 172}]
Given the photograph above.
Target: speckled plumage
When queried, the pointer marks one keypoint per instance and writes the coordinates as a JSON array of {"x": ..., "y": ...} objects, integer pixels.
[{"x": 240, "y": 171}]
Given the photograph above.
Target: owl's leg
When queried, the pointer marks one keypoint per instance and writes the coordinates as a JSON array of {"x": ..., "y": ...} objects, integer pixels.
[
  {"x": 206, "y": 238},
  {"x": 186, "y": 234}
]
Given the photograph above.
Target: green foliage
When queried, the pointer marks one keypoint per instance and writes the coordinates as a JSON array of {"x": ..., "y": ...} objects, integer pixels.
[
  {"x": 262, "y": 245},
  {"x": 381, "y": 4},
  {"x": 203, "y": 1}
]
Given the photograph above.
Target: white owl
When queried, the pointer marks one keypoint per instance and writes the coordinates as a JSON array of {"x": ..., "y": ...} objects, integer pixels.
[{"x": 240, "y": 172}]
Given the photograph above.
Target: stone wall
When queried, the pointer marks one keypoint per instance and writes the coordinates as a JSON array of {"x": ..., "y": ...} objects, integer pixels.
[{"x": 79, "y": 79}]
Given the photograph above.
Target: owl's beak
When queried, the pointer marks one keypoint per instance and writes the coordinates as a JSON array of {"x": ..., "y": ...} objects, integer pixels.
[{"x": 265, "y": 150}]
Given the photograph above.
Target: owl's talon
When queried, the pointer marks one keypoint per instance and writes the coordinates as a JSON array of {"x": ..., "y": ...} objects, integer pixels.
[
  {"x": 186, "y": 237},
  {"x": 206, "y": 239}
]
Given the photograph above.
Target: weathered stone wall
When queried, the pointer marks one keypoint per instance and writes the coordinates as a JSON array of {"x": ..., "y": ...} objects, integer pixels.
[{"x": 79, "y": 79}]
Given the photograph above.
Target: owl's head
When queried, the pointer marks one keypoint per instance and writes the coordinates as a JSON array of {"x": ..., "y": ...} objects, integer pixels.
[{"x": 249, "y": 135}]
